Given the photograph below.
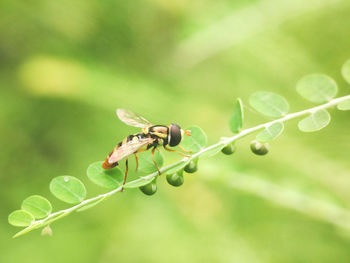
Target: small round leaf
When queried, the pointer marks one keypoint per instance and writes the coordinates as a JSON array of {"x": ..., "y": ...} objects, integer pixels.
[
  {"x": 236, "y": 120},
  {"x": 315, "y": 121},
  {"x": 20, "y": 218},
  {"x": 269, "y": 104},
  {"x": 146, "y": 164},
  {"x": 271, "y": 132},
  {"x": 197, "y": 140},
  {"x": 68, "y": 189},
  {"x": 110, "y": 178},
  {"x": 344, "y": 105},
  {"x": 317, "y": 88},
  {"x": 345, "y": 71},
  {"x": 37, "y": 205}
]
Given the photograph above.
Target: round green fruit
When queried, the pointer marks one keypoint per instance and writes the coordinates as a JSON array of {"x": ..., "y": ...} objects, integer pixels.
[
  {"x": 229, "y": 149},
  {"x": 149, "y": 189},
  {"x": 259, "y": 148},
  {"x": 191, "y": 167},
  {"x": 175, "y": 179}
]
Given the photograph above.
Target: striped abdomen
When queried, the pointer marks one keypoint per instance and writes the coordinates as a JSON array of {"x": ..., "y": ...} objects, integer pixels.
[
  {"x": 106, "y": 164},
  {"x": 130, "y": 145}
]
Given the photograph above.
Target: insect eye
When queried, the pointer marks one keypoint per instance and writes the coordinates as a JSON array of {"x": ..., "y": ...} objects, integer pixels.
[{"x": 175, "y": 135}]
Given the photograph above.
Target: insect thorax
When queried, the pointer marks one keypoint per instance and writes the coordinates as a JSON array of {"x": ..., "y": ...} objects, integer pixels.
[{"x": 160, "y": 133}]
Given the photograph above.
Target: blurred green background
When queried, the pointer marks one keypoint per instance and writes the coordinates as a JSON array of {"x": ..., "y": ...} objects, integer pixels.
[{"x": 65, "y": 66}]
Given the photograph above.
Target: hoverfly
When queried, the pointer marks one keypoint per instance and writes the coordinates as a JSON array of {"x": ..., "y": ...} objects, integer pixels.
[{"x": 151, "y": 136}]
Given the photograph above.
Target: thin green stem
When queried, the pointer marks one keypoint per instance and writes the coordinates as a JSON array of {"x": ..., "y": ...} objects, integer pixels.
[{"x": 222, "y": 143}]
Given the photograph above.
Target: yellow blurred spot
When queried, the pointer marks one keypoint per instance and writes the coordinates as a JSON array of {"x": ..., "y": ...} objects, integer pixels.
[{"x": 46, "y": 75}]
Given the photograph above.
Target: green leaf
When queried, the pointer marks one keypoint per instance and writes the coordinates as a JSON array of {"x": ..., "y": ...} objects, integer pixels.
[
  {"x": 236, "y": 120},
  {"x": 146, "y": 164},
  {"x": 345, "y": 71},
  {"x": 271, "y": 132},
  {"x": 20, "y": 218},
  {"x": 110, "y": 179},
  {"x": 315, "y": 121},
  {"x": 139, "y": 182},
  {"x": 344, "y": 105},
  {"x": 317, "y": 88},
  {"x": 37, "y": 205},
  {"x": 197, "y": 140},
  {"x": 269, "y": 104},
  {"x": 68, "y": 189}
]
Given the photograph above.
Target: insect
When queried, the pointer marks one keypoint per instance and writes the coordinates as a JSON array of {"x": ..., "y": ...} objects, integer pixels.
[{"x": 151, "y": 136}]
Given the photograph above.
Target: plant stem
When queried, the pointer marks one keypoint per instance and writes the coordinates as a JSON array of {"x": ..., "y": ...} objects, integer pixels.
[{"x": 222, "y": 143}]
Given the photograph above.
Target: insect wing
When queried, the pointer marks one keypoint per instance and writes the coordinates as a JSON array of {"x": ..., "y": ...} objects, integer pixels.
[
  {"x": 128, "y": 148},
  {"x": 132, "y": 119}
]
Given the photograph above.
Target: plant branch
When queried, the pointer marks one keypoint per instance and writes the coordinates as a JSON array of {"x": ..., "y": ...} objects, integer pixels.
[{"x": 222, "y": 143}]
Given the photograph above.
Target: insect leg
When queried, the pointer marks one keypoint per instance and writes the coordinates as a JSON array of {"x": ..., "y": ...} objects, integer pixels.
[
  {"x": 184, "y": 150},
  {"x": 137, "y": 158},
  {"x": 126, "y": 172},
  {"x": 137, "y": 161},
  {"x": 171, "y": 150},
  {"x": 154, "y": 161}
]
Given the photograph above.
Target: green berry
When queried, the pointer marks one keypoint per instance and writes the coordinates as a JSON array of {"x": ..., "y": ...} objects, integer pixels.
[
  {"x": 229, "y": 149},
  {"x": 191, "y": 167},
  {"x": 259, "y": 148},
  {"x": 149, "y": 189},
  {"x": 175, "y": 179}
]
